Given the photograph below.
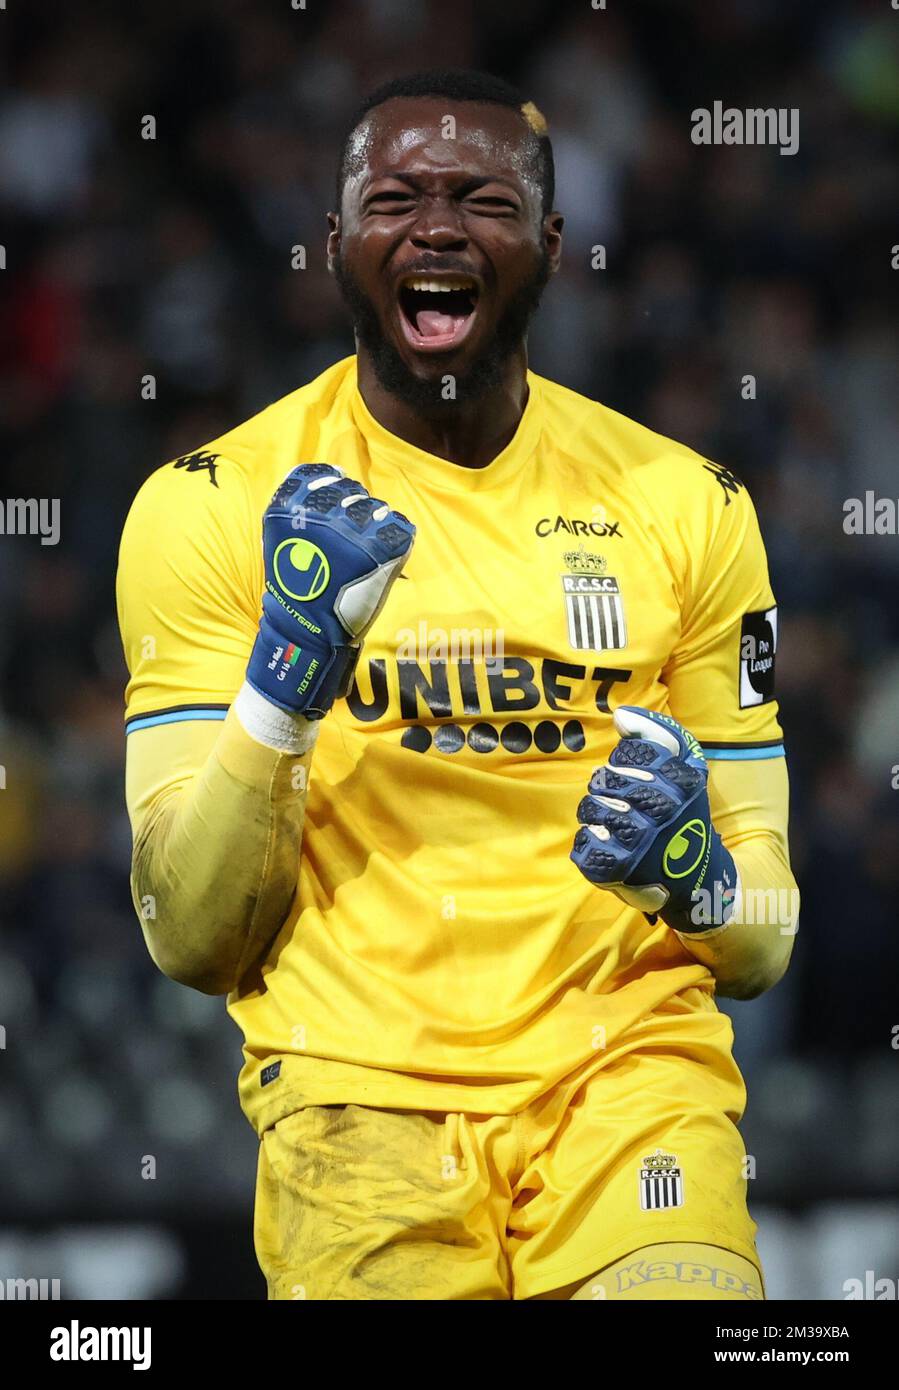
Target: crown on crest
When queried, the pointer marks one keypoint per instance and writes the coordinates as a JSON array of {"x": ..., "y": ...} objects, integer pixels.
[
  {"x": 660, "y": 1160},
  {"x": 584, "y": 562}
]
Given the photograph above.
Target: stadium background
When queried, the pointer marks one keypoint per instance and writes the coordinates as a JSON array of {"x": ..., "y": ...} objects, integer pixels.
[{"x": 172, "y": 257}]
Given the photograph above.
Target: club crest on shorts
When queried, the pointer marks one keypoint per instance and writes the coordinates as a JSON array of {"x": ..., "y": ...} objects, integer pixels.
[
  {"x": 661, "y": 1182},
  {"x": 593, "y": 606}
]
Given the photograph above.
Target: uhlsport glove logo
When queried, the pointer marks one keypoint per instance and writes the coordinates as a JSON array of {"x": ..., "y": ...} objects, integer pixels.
[
  {"x": 685, "y": 849},
  {"x": 324, "y": 587},
  {"x": 305, "y": 566},
  {"x": 647, "y": 833}
]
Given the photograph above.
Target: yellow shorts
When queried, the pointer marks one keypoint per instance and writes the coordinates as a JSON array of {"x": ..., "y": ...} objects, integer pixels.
[{"x": 358, "y": 1203}]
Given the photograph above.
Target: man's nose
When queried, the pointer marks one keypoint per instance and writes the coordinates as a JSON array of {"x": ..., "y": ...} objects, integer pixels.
[{"x": 439, "y": 229}]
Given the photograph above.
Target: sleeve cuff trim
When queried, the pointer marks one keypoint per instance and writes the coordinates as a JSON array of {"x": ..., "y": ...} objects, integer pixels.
[
  {"x": 742, "y": 752},
  {"x": 175, "y": 715}
]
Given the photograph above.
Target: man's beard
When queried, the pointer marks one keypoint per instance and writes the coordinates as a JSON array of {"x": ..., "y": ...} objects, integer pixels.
[{"x": 483, "y": 375}]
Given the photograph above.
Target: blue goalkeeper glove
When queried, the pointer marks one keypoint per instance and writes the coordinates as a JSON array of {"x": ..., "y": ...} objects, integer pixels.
[
  {"x": 648, "y": 835},
  {"x": 331, "y": 554}
]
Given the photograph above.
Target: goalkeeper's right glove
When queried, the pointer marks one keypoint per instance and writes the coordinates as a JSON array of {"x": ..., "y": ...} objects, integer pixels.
[{"x": 331, "y": 554}]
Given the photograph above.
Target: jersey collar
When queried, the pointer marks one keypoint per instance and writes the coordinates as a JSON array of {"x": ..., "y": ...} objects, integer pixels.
[{"x": 440, "y": 472}]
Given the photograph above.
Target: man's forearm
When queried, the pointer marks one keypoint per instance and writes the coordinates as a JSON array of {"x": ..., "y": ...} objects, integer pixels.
[
  {"x": 216, "y": 859},
  {"x": 752, "y": 952},
  {"x": 217, "y": 840}
]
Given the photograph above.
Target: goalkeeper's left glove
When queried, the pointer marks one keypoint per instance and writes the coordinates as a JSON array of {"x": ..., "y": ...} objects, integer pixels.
[{"x": 647, "y": 830}]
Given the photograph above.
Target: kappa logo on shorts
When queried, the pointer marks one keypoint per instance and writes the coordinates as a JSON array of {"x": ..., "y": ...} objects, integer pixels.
[
  {"x": 593, "y": 604},
  {"x": 661, "y": 1182}
]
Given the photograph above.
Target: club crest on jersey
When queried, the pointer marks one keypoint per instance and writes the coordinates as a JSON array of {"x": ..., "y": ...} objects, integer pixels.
[
  {"x": 594, "y": 609},
  {"x": 661, "y": 1182}
]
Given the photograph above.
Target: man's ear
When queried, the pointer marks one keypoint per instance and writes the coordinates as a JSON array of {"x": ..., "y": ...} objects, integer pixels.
[
  {"x": 552, "y": 239},
  {"x": 333, "y": 239}
]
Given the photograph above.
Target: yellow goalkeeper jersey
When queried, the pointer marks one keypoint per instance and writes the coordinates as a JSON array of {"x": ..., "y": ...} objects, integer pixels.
[{"x": 442, "y": 952}]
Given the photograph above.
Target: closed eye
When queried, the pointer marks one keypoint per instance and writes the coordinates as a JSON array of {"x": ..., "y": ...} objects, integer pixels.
[
  {"x": 392, "y": 201},
  {"x": 491, "y": 204},
  {"x": 493, "y": 199}
]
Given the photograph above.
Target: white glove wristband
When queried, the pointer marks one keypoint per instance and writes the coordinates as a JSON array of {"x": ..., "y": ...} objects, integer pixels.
[{"x": 275, "y": 728}]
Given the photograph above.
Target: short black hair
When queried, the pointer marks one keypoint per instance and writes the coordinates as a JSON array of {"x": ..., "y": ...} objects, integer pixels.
[{"x": 460, "y": 84}]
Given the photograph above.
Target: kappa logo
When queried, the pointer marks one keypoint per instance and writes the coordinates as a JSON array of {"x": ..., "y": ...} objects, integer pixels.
[
  {"x": 729, "y": 481},
  {"x": 645, "y": 1271},
  {"x": 199, "y": 463},
  {"x": 593, "y": 606}
]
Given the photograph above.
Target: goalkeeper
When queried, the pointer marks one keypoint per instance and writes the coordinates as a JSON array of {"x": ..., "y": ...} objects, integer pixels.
[{"x": 477, "y": 1069}]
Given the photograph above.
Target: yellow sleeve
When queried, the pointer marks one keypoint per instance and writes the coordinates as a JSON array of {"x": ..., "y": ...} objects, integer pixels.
[
  {"x": 217, "y": 817},
  {"x": 720, "y": 679},
  {"x": 218, "y": 823},
  {"x": 189, "y": 591},
  {"x": 749, "y": 802},
  {"x": 720, "y": 676}
]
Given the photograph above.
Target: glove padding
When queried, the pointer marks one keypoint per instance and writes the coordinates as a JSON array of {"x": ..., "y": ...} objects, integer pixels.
[
  {"x": 648, "y": 835},
  {"x": 331, "y": 554}
]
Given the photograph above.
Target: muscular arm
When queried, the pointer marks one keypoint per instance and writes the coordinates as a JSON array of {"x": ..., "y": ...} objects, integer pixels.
[
  {"x": 217, "y": 837},
  {"x": 217, "y": 808},
  {"x": 720, "y": 685},
  {"x": 749, "y": 804}
]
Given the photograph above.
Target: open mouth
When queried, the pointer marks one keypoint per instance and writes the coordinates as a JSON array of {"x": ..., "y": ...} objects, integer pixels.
[{"x": 436, "y": 313}]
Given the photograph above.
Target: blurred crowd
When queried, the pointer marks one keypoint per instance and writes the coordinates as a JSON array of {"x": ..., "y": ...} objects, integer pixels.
[{"x": 747, "y": 308}]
